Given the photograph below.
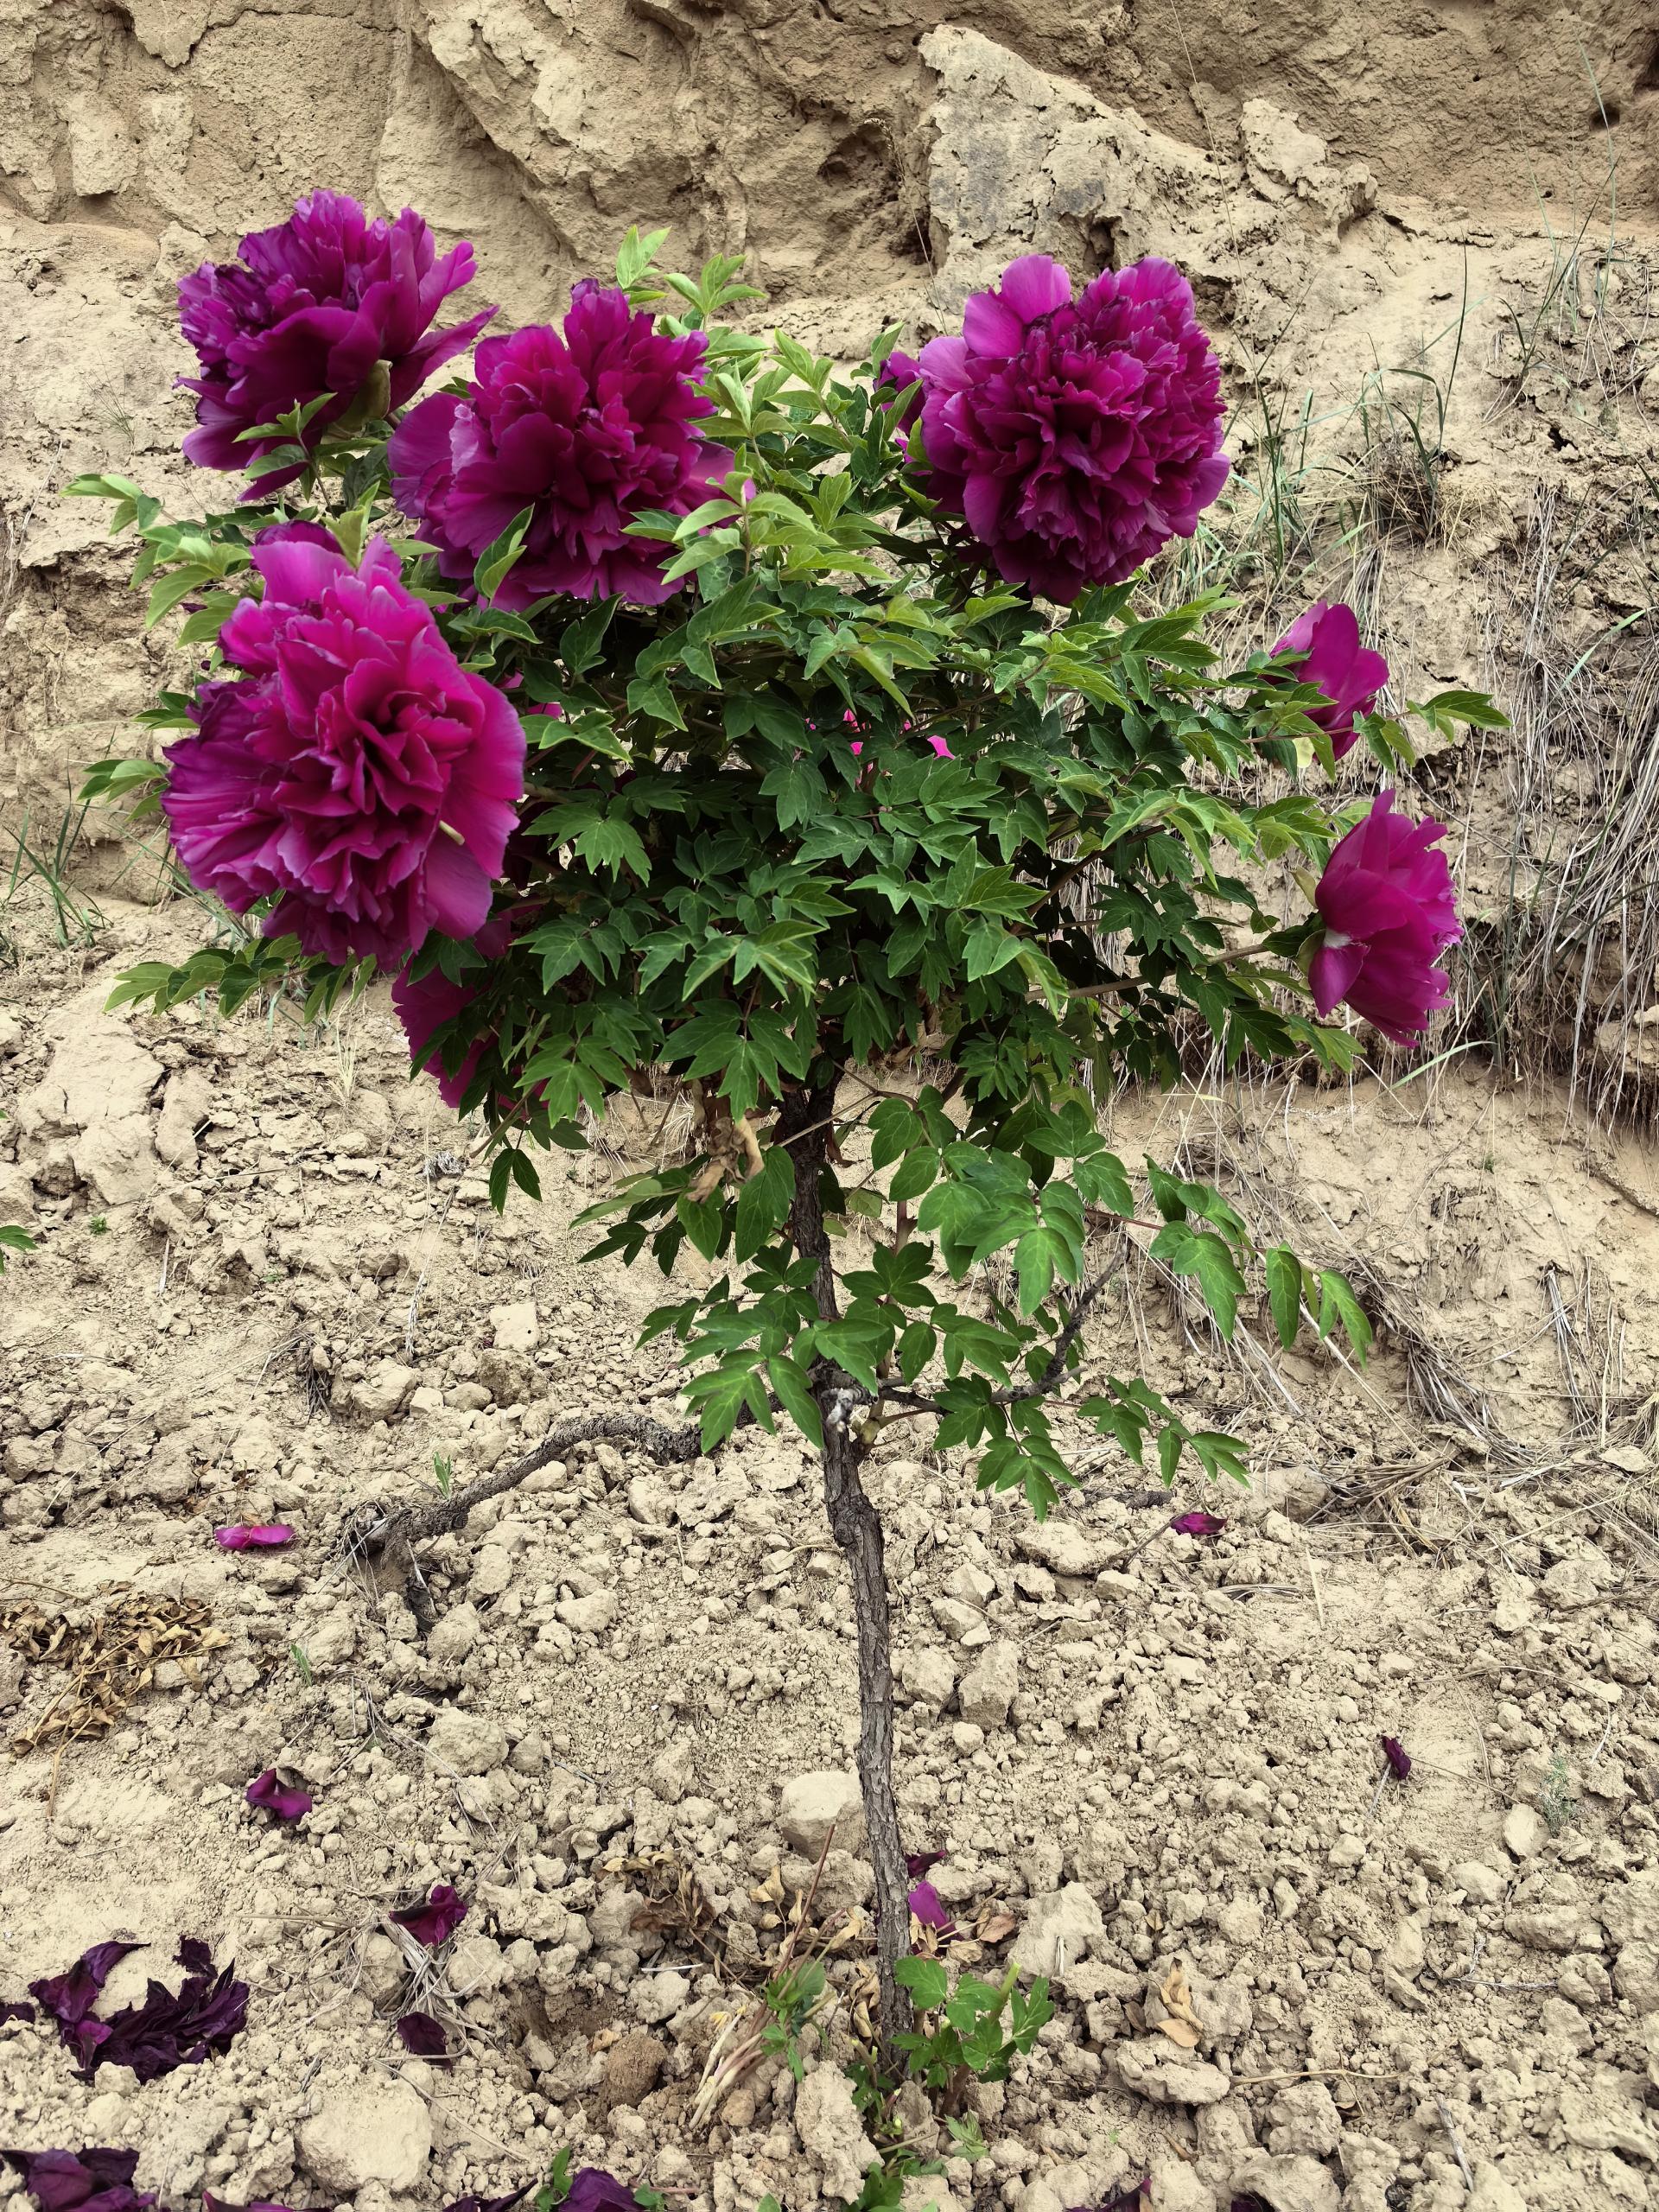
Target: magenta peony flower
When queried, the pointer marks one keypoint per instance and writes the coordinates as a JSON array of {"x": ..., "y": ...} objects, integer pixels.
[
  {"x": 424, "y": 1008},
  {"x": 1387, "y": 901},
  {"x": 1075, "y": 437},
  {"x": 587, "y": 429},
  {"x": 436, "y": 1920},
  {"x": 314, "y": 306},
  {"x": 358, "y": 773},
  {"x": 267, "y": 1794},
  {"x": 256, "y": 1536},
  {"x": 1347, "y": 672},
  {"x": 898, "y": 369}
]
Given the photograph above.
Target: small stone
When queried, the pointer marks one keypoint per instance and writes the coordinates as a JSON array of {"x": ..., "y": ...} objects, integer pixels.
[
  {"x": 810, "y": 1805},
  {"x": 1061, "y": 1927},
  {"x": 1407, "y": 1948},
  {"x": 384, "y": 1391},
  {"x": 1494, "y": 2191},
  {"x": 930, "y": 1676},
  {"x": 1063, "y": 1547},
  {"x": 672, "y": 1772},
  {"x": 1572, "y": 1584},
  {"x": 103, "y": 157},
  {"x": 1155, "y": 2068},
  {"x": 590, "y": 1616},
  {"x": 632, "y": 2065},
  {"x": 332, "y": 1640},
  {"x": 1524, "y": 1832},
  {"x": 516, "y": 1328},
  {"x": 657, "y": 1996},
  {"x": 990, "y": 1688},
  {"x": 454, "y": 1636},
  {"x": 1304, "y": 2117},
  {"x": 1478, "y": 1880},
  {"x": 1241, "y": 1922},
  {"x": 375, "y": 2131},
  {"x": 650, "y": 1502},
  {"x": 465, "y": 1742},
  {"x": 1560, "y": 1928},
  {"x": 492, "y": 1572},
  {"x": 1292, "y": 2184}
]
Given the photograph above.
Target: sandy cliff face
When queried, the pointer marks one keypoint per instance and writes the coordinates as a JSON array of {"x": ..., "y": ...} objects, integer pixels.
[{"x": 1419, "y": 244}]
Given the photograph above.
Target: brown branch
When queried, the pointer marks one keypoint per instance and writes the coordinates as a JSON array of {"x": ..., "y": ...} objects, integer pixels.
[{"x": 392, "y": 1535}]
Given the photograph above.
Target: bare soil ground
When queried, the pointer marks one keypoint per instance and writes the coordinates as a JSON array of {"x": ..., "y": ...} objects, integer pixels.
[{"x": 270, "y": 1287}]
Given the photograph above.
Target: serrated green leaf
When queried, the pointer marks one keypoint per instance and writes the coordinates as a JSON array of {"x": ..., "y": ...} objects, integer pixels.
[{"x": 926, "y": 1980}]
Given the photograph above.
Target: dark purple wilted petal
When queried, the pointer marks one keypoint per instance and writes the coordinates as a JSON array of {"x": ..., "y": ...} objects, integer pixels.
[
  {"x": 16, "y": 2010},
  {"x": 1129, "y": 2199},
  {"x": 63, "y": 2180},
  {"x": 1197, "y": 1524},
  {"x": 172, "y": 2028},
  {"x": 476, "y": 2203},
  {"x": 927, "y": 1907},
  {"x": 69, "y": 1998},
  {"x": 918, "y": 1863},
  {"x": 193, "y": 1955},
  {"x": 436, "y": 1920},
  {"x": 271, "y": 1795},
  {"x": 256, "y": 1536},
  {"x": 420, "y": 2034},
  {"x": 595, "y": 2191},
  {"x": 1249, "y": 2203},
  {"x": 1397, "y": 1756}
]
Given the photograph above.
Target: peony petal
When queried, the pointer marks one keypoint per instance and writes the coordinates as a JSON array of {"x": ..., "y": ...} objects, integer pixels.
[
  {"x": 1332, "y": 973},
  {"x": 457, "y": 890},
  {"x": 1035, "y": 285}
]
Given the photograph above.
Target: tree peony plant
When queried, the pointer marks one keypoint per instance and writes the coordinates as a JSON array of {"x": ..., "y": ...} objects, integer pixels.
[{"x": 698, "y": 718}]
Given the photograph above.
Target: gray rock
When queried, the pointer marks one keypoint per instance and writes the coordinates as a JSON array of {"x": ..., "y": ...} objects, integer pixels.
[
  {"x": 454, "y": 1636},
  {"x": 1524, "y": 1832},
  {"x": 1294, "y": 2184},
  {"x": 655, "y": 1997},
  {"x": 930, "y": 1677},
  {"x": 1304, "y": 2118},
  {"x": 1478, "y": 1880},
  {"x": 516, "y": 1327},
  {"x": 374, "y": 2132},
  {"x": 1063, "y": 1547},
  {"x": 186, "y": 1103},
  {"x": 492, "y": 1572},
  {"x": 1061, "y": 1927},
  {"x": 384, "y": 1391},
  {"x": 989, "y": 1687},
  {"x": 810, "y": 1805},
  {"x": 588, "y": 1616},
  {"x": 465, "y": 1742},
  {"x": 650, "y": 1502},
  {"x": 832, "y": 2134},
  {"x": 1154, "y": 2067}
]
